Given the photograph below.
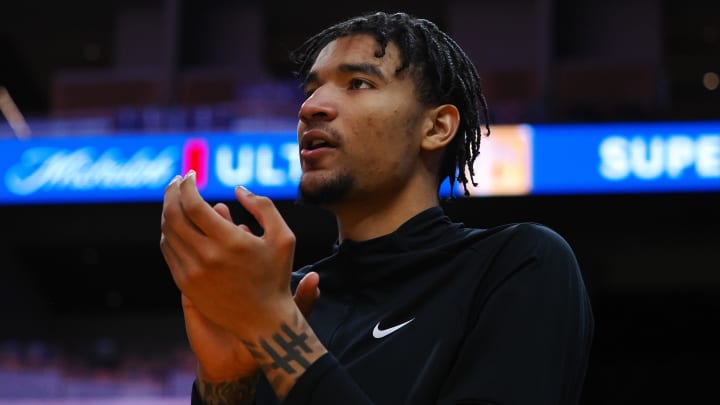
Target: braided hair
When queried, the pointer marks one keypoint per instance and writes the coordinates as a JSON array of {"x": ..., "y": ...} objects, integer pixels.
[{"x": 442, "y": 72}]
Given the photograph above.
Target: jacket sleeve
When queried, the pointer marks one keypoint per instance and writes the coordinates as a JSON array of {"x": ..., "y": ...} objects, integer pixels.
[
  {"x": 324, "y": 383},
  {"x": 532, "y": 332}
]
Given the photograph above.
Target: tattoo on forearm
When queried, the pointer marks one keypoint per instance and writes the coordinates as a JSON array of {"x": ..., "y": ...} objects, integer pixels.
[
  {"x": 290, "y": 347},
  {"x": 241, "y": 391},
  {"x": 289, "y": 342},
  {"x": 286, "y": 355}
]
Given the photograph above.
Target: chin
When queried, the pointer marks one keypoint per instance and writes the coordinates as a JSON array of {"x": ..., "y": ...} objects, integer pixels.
[{"x": 327, "y": 193}]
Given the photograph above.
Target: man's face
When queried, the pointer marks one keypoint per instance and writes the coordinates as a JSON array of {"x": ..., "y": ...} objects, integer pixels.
[{"x": 360, "y": 126}]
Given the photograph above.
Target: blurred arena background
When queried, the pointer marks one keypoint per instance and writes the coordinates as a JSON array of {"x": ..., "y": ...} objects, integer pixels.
[{"x": 88, "y": 311}]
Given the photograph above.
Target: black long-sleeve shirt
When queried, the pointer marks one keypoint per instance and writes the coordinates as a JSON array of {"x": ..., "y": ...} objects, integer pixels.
[{"x": 436, "y": 312}]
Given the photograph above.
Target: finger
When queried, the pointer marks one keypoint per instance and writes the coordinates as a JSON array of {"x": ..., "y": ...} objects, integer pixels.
[
  {"x": 199, "y": 212},
  {"x": 307, "y": 292},
  {"x": 181, "y": 258},
  {"x": 173, "y": 216},
  {"x": 265, "y": 212},
  {"x": 170, "y": 196},
  {"x": 176, "y": 228},
  {"x": 178, "y": 236},
  {"x": 223, "y": 210},
  {"x": 173, "y": 262},
  {"x": 191, "y": 312}
]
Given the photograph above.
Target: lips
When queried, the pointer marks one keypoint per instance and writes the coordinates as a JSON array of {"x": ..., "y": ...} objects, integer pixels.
[
  {"x": 315, "y": 138},
  {"x": 315, "y": 145}
]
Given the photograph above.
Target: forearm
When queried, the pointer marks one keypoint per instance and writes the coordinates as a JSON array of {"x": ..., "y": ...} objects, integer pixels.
[
  {"x": 240, "y": 391},
  {"x": 285, "y": 351}
]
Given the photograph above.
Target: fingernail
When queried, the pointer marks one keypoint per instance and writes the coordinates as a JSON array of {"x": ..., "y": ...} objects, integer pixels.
[
  {"x": 176, "y": 178},
  {"x": 189, "y": 174},
  {"x": 244, "y": 190}
]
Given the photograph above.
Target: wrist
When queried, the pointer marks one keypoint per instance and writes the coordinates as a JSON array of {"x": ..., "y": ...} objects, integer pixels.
[
  {"x": 226, "y": 374},
  {"x": 285, "y": 349}
]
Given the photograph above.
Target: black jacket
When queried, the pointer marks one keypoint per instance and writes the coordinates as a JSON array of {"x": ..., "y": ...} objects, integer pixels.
[{"x": 485, "y": 316}]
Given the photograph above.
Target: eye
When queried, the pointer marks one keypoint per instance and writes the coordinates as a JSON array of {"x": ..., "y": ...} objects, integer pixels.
[{"x": 359, "y": 84}]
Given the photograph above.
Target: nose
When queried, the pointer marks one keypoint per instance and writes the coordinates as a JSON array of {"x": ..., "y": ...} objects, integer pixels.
[{"x": 320, "y": 106}]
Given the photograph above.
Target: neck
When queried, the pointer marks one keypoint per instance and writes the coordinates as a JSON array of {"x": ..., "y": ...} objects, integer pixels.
[{"x": 367, "y": 219}]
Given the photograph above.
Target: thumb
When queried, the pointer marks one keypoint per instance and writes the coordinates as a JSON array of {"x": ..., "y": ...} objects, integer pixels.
[{"x": 307, "y": 292}]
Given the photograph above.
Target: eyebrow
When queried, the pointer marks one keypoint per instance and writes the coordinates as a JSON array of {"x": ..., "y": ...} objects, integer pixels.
[{"x": 366, "y": 68}]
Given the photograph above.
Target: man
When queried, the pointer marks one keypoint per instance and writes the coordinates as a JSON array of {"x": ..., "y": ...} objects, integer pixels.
[{"x": 414, "y": 308}]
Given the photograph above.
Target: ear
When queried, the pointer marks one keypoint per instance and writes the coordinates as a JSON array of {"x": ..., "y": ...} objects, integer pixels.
[{"x": 441, "y": 127}]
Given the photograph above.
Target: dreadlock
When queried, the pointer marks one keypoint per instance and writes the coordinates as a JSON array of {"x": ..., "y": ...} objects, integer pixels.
[{"x": 442, "y": 72}]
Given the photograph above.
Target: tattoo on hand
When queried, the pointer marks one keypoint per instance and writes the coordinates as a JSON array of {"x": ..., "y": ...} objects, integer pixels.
[{"x": 241, "y": 391}]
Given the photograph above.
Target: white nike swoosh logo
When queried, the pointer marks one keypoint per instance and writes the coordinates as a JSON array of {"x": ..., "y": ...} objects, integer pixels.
[{"x": 381, "y": 333}]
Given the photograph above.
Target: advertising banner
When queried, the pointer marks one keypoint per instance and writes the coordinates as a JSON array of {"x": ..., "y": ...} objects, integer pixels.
[
  {"x": 514, "y": 160},
  {"x": 626, "y": 158},
  {"x": 124, "y": 168}
]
